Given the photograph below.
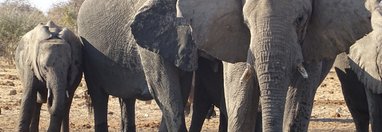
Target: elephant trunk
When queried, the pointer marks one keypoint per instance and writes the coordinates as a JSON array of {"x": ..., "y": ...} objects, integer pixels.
[
  {"x": 57, "y": 84},
  {"x": 274, "y": 53}
]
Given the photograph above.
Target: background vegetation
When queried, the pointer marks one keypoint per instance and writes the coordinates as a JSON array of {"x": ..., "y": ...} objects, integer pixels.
[{"x": 18, "y": 17}]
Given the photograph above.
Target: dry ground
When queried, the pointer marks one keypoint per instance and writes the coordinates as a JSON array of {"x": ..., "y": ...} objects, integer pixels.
[{"x": 329, "y": 113}]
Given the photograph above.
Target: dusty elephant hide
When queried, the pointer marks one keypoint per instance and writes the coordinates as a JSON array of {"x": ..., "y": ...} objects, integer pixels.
[{"x": 365, "y": 56}]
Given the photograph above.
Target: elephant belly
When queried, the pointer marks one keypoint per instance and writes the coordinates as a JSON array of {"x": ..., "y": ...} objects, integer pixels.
[
  {"x": 218, "y": 27},
  {"x": 114, "y": 79}
]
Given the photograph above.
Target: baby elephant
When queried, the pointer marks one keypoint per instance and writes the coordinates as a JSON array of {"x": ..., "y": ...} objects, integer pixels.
[
  {"x": 49, "y": 63},
  {"x": 361, "y": 77}
]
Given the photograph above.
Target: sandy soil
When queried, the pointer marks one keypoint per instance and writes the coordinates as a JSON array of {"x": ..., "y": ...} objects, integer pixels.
[{"x": 329, "y": 113}]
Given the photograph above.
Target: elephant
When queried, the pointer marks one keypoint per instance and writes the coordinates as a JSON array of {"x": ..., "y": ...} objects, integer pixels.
[
  {"x": 287, "y": 47},
  {"x": 49, "y": 63},
  {"x": 360, "y": 76},
  {"x": 113, "y": 63}
]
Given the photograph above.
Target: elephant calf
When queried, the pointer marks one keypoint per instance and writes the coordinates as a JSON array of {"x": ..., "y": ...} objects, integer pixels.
[
  {"x": 48, "y": 60},
  {"x": 360, "y": 73}
]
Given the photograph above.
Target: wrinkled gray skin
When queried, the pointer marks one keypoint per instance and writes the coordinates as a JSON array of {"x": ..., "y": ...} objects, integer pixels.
[
  {"x": 360, "y": 76},
  {"x": 49, "y": 63},
  {"x": 291, "y": 46},
  {"x": 112, "y": 64}
]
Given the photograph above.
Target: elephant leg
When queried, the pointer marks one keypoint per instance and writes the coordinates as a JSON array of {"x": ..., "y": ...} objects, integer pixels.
[
  {"x": 355, "y": 98},
  {"x": 127, "y": 115},
  {"x": 99, "y": 101},
  {"x": 28, "y": 102},
  {"x": 165, "y": 81},
  {"x": 68, "y": 103},
  {"x": 259, "y": 118},
  {"x": 36, "y": 118},
  {"x": 242, "y": 98},
  {"x": 223, "y": 120},
  {"x": 201, "y": 105},
  {"x": 187, "y": 109},
  {"x": 300, "y": 96},
  {"x": 354, "y": 93},
  {"x": 375, "y": 110}
]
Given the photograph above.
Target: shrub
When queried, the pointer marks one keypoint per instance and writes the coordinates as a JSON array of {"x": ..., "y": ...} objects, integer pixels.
[{"x": 17, "y": 17}]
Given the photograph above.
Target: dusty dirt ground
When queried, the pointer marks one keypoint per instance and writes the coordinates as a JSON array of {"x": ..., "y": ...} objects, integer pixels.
[{"x": 329, "y": 113}]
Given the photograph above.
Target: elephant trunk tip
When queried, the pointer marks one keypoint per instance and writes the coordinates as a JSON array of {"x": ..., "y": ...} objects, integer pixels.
[
  {"x": 302, "y": 70},
  {"x": 248, "y": 73}
]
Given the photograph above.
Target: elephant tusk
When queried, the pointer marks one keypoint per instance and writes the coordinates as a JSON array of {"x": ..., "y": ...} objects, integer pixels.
[
  {"x": 248, "y": 73},
  {"x": 302, "y": 71},
  {"x": 67, "y": 94},
  {"x": 48, "y": 93}
]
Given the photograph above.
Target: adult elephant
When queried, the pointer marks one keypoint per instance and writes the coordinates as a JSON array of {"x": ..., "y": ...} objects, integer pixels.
[
  {"x": 112, "y": 64},
  {"x": 291, "y": 44},
  {"x": 111, "y": 61},
  {"x": 360, "y": 76}
]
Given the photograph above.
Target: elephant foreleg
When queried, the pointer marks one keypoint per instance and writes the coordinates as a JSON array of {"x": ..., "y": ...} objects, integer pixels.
[
  {"x": 241, "y": 97},
  {"x": 166, "y": 83},
  {"x": 375, "y": 110},
  {"x": 35, "y": 118},
  {"x": 28, "y": 101},
  {"x": 300, "y": 96},
  {"x": 354, "y": 93}
]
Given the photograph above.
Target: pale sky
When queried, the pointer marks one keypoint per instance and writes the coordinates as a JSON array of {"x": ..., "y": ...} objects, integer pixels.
[{"x": 43, "y": 5}]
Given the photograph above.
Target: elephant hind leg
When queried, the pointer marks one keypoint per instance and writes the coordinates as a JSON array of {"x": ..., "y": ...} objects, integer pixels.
[
  {"x": 375, "y": 110},
  {"x": 99, "y": 102},
  {"x": 127, "y": 115}
]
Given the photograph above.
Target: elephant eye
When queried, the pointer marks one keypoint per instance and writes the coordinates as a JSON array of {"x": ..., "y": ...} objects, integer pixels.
[
  {"x": 300, "y": 20},
  {"x": 300, "y": 24}
]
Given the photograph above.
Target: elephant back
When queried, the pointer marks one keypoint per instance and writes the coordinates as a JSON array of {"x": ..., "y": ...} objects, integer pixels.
[{"x": 105, "y": 26}]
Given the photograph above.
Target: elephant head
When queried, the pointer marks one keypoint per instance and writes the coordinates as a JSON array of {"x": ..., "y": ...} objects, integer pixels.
[
  {"x": 285, "y": 35},
  {"x": 365, "y": 56}
]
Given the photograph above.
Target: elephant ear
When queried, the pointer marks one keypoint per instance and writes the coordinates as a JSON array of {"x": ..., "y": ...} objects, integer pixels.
[
  {"x": 333, "y": 27},
  {"x": 156, "y": 28},
  {"x": 218, "y": 27},
  {"x": 38, "y": 34},
  {"x": 76, "y": 56},
  {"x": 365, "y": 58}
]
